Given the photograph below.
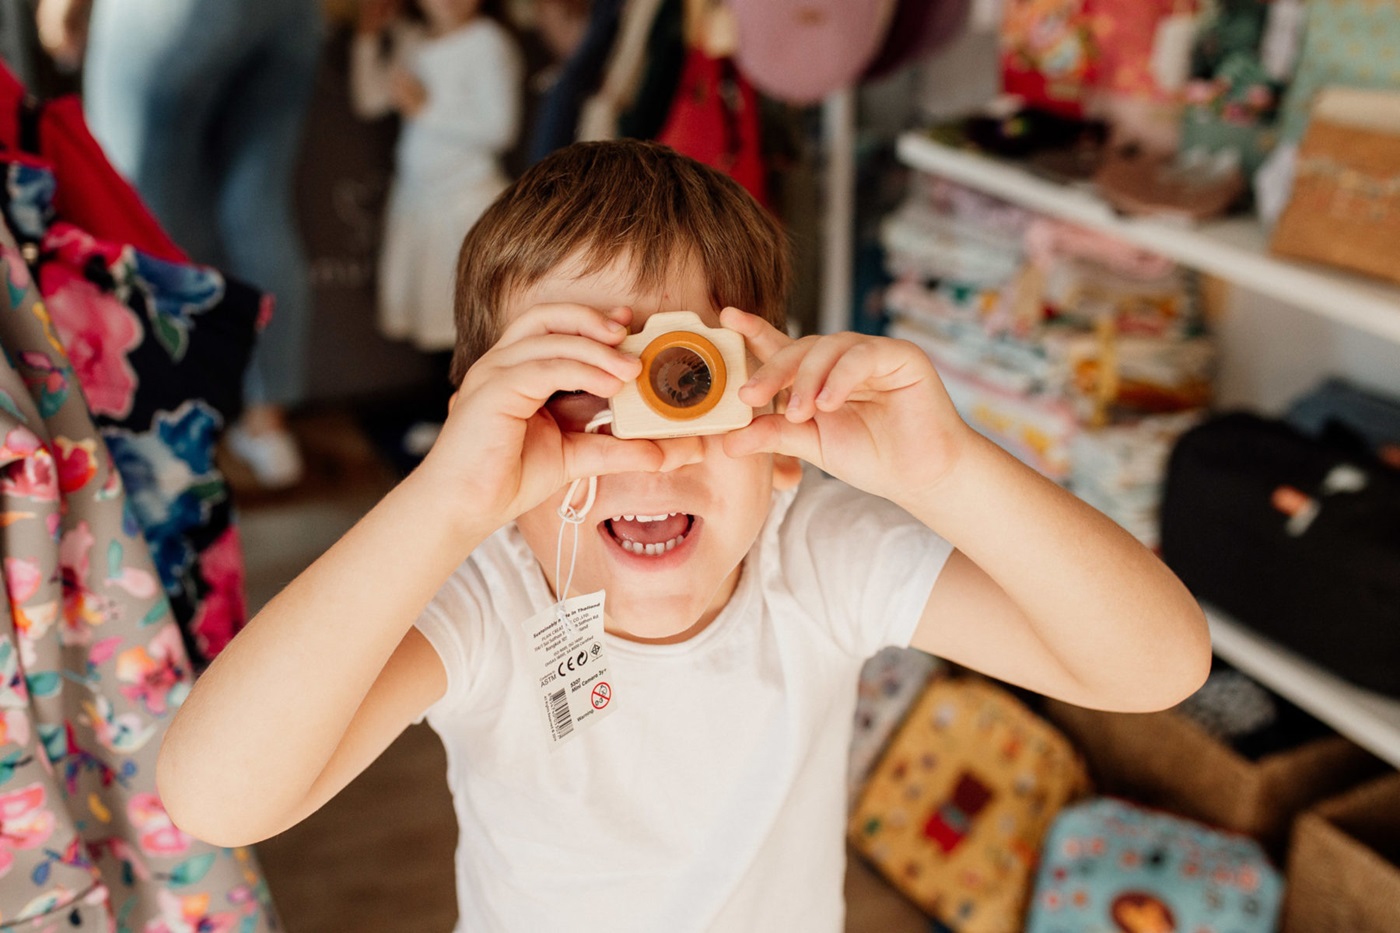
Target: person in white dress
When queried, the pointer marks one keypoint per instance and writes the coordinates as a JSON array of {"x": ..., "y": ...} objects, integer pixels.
[{"x": 455, "y": 79}]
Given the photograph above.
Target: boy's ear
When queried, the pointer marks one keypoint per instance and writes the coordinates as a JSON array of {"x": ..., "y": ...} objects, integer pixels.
[{"x": 787, "y": 471}]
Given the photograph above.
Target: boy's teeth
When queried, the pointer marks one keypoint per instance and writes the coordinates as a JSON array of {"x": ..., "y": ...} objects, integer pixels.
[
  {"x": 644, "y": 518},
  {"x": 651, "y": 550}
]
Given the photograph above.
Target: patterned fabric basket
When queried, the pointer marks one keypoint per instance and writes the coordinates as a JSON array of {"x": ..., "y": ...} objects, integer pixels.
[
  {"x": 956, "y": 809},
  {"x": 1110, "y": 866},
  {"x": 890, "y": 682}
]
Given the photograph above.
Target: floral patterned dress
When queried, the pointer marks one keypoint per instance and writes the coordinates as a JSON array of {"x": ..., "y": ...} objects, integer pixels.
[
  {"x": 159, "y": 349},
  {"x": 92, "y": 668}
]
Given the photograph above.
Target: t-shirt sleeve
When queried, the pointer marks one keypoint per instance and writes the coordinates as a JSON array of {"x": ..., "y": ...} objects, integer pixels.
[
  {"x": 454, "y": 624},
  {"x": 858, "y": 563}
]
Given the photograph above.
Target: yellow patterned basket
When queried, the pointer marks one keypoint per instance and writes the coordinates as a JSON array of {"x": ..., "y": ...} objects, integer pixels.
[{"x": 956, "y": 810}]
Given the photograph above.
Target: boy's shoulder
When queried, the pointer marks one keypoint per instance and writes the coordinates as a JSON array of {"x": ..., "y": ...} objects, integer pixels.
[{"x": 818, "y": 498}]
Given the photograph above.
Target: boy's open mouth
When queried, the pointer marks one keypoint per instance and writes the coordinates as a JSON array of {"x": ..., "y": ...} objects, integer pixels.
[{"x": 650, "y": 535}]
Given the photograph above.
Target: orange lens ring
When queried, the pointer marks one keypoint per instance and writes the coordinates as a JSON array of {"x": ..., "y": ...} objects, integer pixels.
[{"x": 682, "y": 340}]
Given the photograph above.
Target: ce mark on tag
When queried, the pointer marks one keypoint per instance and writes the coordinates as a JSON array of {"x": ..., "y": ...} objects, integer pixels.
[{"x": 572, "y": 663}]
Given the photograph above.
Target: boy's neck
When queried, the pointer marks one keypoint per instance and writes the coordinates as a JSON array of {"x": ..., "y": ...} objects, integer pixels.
[
  {"x": 612, "y": 628},
  {"x": 707, "y": 618}
]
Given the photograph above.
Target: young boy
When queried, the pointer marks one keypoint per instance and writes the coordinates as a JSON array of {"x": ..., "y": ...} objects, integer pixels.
[{"x": 711, "y": 796}]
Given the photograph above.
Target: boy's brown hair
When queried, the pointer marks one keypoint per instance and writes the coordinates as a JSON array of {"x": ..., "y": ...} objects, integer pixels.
[{"x": 604, "y": 200}]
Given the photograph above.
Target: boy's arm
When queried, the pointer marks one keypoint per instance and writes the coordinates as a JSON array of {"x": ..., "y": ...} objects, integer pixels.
[
  {"x": 1043, "y": 590},
  {"x": 320, "y": 681},
  {"x": 330, "y": 670},
  {"x": 1046, "y": 592}
]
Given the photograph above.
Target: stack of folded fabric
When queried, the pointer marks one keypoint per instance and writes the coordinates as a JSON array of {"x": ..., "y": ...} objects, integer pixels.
[
  {"x": 1120, "y": 469},
  {"x": 1082, "y": 355}
]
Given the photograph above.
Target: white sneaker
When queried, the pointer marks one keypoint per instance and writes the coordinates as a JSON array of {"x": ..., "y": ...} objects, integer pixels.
[{"x": 272, "y": 456}]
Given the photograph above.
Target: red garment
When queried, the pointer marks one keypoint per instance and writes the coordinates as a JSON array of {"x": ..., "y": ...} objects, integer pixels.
[
  {"x": 91, "y": 193},
  {"x": 1049, "y": 56},
  {"x": 714, "y": 119}
]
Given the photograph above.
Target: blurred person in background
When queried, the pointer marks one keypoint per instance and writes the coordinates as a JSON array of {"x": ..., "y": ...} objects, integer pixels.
[
  {"x": 452, "y": 72},
  {"x": 200, "y": 104}
]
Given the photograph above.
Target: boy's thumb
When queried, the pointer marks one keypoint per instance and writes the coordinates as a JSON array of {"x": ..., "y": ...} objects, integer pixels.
[
  {"x": 599, "y": 455},
  {"x": 775, "y": 434}
]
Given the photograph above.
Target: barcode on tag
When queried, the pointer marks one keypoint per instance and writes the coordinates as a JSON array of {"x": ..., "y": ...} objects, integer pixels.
[
  {"x": 575, "y": 687},
  {"x": 560, "y": 715}
]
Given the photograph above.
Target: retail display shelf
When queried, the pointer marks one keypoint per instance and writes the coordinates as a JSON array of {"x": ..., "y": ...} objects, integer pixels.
[
  {"x": 1233, "y": 249},
  {"x": 1368, "y": 719}
]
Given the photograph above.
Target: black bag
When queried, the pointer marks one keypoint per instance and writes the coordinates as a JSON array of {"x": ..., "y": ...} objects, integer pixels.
[{"x": 1296, "y": 537}]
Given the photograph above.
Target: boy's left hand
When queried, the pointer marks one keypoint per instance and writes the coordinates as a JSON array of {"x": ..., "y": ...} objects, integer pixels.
[{"x": 868, "y": 410}]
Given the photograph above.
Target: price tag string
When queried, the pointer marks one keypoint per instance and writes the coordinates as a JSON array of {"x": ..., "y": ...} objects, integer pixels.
[{"x": 572, "y": 516}]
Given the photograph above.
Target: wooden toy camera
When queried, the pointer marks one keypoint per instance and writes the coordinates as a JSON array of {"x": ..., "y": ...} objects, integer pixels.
[{"x": 689, "y": 383}]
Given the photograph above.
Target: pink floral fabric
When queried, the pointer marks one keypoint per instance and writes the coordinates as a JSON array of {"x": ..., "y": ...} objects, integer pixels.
[
  {"x": 158, "y": 349},
  {"x": 92, "y": 662}
]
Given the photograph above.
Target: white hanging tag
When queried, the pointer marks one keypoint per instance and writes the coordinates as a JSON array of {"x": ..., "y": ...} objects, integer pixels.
[
  {"x": 566, "y": 639},
  {"x": 568, "y": 655}
]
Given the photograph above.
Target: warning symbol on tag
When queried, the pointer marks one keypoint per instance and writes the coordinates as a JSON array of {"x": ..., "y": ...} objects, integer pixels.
[{"x": 602, "y": 694}]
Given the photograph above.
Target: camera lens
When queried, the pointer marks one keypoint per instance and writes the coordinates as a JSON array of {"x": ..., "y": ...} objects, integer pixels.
[
  {"x": 680, "y": 377},
  {"x": 683, "y": 375}
]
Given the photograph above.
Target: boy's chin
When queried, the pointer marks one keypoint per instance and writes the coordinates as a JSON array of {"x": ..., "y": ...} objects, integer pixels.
[{"x": 648, "y": 621}]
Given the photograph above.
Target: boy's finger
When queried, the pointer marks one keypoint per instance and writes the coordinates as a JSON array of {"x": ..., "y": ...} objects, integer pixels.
[
  {"x": 763, "y": 338},
  {"x": 679, "y": 451},
  {"x": 775, "y": 434},
  {"x": 521, "y": 391},
  {"x": 608, "y": 326},
  {"x": 854, "y": 368},
  {"x": 600, "y": 455},
  {"x": 815, "y": 368},
  {"x": 568, "y": 347},
  {"x": 775, "y": 374}
]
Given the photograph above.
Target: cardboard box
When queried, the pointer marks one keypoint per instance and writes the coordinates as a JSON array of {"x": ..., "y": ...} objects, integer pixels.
[
  {"x": 1165, "y": 760},
  {"x": 1344, "y": 864}
]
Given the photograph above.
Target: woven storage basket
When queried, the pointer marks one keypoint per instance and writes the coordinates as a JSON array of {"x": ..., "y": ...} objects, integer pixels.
[
  {"x": 1344, "y": 864},
  {"x": 1165, "y": 760},
  {"x": 1345, "y": 205}
]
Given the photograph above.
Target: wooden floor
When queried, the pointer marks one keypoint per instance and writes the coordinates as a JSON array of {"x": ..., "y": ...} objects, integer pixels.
[{"x": 378, "y": 858}]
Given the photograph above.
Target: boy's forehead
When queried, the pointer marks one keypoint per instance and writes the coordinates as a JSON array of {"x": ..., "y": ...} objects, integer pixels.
[{"x": 616, "y": 284}]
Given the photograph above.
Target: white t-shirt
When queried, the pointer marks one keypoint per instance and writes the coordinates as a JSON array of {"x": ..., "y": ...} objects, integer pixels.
[{"x": 713, "y": 797}]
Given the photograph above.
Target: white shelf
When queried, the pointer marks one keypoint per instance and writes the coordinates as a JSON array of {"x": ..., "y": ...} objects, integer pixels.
[
  {"x": 1232, "y": 249},
  {"x": 1368, "y": 719}
]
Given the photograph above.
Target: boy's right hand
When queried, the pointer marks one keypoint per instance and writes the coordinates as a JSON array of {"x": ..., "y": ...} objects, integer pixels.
[{"x": 502, "y": 453}]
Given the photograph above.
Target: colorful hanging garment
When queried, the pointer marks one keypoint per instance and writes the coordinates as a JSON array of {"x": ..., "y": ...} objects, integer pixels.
[
  {"x": 95, "y": 196},
  {"x": 159, "y": 349},
  {"x": 92, "y": 669},
  {"x": 715, "y": 120}
]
